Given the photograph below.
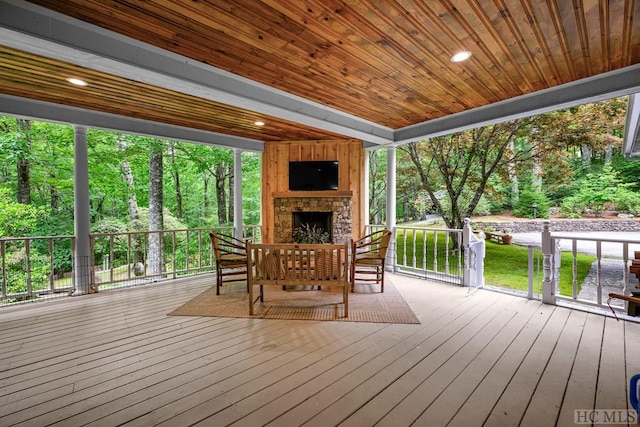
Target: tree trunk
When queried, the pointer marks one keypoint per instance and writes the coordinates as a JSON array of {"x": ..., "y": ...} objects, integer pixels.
[
  {"x": 374, "y": 190},
  {"x": 176, "y": 181},
  {"x": 53, "y": 193},
  {"x": 205, "y": 200},
  {"x": 221, "y": 196},
  {"x": 513, "y": 176},
  {"x": 24, "y": 184},
  {"x": 608, "y": 153},
  {"x": 585, "y": 152},
  {"x": 156, "y": 219},
  {"x": 232, "y": 183},
  {"x": 138, "y": 253}
]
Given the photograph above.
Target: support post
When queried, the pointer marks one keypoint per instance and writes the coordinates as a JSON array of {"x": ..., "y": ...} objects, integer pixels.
[
  {"x": 391, "y": 206},
  {"x": 548, "y": 254},
  {"x": 365, "y": 202},
  {"x": 466, "y": 248},
  {"x": 82, "y": 222},
  {"x": 237, "y": 194}
]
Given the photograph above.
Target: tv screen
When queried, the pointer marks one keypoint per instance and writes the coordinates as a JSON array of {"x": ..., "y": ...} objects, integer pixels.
[{"x": 313, "y": 175}]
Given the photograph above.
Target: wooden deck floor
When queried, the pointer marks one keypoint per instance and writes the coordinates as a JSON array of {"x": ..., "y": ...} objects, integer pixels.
[{"x": 478, "y": 358}]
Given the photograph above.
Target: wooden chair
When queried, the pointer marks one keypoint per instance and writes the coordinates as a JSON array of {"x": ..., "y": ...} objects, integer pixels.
[
  {"x": 633, "y": 303},
  {"x": 368, "y": 257},
  {"x": 231, "y": 259}
]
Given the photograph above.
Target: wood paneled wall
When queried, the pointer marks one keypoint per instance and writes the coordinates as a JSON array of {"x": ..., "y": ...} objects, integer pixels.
[{"x": 275, "y": 175}]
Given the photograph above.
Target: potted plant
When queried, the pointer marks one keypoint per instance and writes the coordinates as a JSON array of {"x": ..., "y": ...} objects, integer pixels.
[
  {"x": 507, "y": 238},
  {"x": 307, "y": 234}
]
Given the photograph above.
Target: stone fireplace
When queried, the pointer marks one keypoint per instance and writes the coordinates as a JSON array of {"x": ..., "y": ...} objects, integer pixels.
[{"x": 333, "y": 212}]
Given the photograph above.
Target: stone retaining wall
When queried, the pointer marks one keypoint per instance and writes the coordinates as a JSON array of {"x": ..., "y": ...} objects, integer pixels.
[{"x": 573, "y": 225}]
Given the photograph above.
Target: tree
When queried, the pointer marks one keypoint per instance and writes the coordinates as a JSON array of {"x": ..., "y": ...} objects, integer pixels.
[
  {"x": 462, "y": 163},
  {"x": 24, "y": 185},
  {"x": 156, "y": 221},
  {"x": 377, "y": 185},
  {"x": 175, "y": 170}
]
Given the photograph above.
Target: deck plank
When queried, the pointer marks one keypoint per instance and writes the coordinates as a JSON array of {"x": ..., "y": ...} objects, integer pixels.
[
  {"x": 435, "y": 319},
  {"x": 581, "y": 387},
  {"x": 457, "y": 326},
  {"x": 546, "y": 401},
  {"x": 459, "y": 391},
  {"x": 611, "y": 392},
  {"x": 478, "y": 357},
  {"x": 448, "y": 361},
  {"x": 514, "y": 400}
]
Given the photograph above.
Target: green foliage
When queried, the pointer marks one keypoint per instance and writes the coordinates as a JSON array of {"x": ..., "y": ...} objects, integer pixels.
[
  {"x": 572, "y": 207},
  {"x": 527, "y": 198},
  {"x": 599, "y": 191},
  {"x": 17, "y": 219},
  {"x": 627, "y": 201},
  {"x": 628, "y": 171},
  {"x": 102, "y": 245}
]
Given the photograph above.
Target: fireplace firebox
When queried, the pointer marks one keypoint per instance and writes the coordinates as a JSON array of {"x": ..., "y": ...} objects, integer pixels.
[{"x": 321, "y": 221}]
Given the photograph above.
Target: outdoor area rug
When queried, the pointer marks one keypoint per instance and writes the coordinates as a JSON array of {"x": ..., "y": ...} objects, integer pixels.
[{"x": 367, "y": 304}]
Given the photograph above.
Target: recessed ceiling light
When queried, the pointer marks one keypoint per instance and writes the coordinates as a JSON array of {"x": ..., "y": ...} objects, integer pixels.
[
  {"x": 258, "y": 123},
  {"x": 461, "y": 56},
  {"x": 76, "y": 82}
]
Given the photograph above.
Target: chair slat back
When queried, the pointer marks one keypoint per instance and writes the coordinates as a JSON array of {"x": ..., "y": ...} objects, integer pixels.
[{"x": 224, "y": 244}]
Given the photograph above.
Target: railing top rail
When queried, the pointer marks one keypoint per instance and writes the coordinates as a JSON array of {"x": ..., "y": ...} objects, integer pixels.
[
  {"x": 594, "y": 239},
  {"x": 173, "y": 230},
  {"x": 22, "y": 239},
  {"x": 204, "y": 229},
  {"x": 404, "y": 227}
]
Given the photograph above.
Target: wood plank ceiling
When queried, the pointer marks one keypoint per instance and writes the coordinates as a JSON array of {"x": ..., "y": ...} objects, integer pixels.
[{"x": 385, "y": 62}]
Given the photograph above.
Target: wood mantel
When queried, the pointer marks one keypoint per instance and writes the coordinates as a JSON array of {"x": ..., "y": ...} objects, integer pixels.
[{"x": 305, "y": 194}]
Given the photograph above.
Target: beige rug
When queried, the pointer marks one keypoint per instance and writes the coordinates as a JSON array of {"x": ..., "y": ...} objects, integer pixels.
[{"x": 367, "y": 304}]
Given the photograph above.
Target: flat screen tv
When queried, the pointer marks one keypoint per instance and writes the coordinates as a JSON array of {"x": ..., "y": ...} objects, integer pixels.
[{"x": 316, "y": 175}]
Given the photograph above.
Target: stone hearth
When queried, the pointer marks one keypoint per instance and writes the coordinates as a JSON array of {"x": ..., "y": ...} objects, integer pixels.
[{"x": 340, "y": 207}]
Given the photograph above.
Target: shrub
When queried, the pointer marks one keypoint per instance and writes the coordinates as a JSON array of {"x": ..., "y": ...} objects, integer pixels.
[{"x": 528, "y": 197}]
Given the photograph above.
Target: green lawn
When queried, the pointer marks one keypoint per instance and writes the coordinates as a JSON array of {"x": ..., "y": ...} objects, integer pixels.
[{"x": 505, "y": 266}]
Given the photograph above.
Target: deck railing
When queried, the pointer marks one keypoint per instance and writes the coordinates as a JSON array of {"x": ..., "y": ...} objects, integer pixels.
[
  {"x": 34, "y": 268},
  {"x": 599, "y": 266},
  {"x": 436, "y": 254},
  {"x": 431, "y": 253}
]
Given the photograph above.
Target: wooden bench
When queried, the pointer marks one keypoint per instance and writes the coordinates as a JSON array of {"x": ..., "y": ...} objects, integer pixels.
[
  {"x": 298, "y": 264},
  {"x": 496, "y": 235}
]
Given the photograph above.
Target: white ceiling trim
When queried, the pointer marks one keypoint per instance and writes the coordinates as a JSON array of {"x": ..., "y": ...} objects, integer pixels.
[
  {"x": 39, "y": 110},
  {"x": 613, "y": 84},
  {"x": 632, "y": 128}
]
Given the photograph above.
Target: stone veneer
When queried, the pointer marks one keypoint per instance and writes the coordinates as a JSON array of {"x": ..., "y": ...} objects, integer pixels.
[
  {"x": 339, "y": 206},
  {"x": 564, "y": 225}
]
